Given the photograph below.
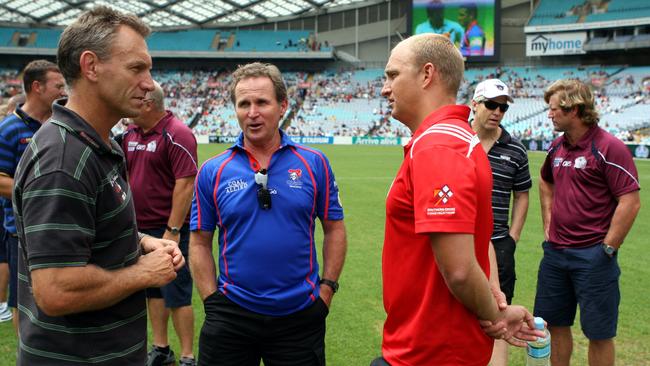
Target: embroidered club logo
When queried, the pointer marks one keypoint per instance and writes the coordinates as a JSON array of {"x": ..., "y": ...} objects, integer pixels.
[
  {"x": 295, "y": 178},
  {"x": 441, "y": 198},
  {"x": 151, "y": 147},
  {"x": 118, "y": 189},
  {"x": 580, "y": 162}
]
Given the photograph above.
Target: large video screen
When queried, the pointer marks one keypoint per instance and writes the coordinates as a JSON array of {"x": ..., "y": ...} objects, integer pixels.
[{"x": 471, "y": 24}]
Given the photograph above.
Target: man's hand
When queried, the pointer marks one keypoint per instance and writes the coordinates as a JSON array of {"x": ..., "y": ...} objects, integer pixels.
[
  {"x": 326, "y": 294},
  {"x": 158, "y": 266},
  {"x": 150, "y": 244},
  {"x": 514, "y": 324},
  {"x": 500, "y": 297}
]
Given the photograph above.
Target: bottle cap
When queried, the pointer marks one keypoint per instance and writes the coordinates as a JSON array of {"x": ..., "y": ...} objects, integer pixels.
[{"x": 539, "y": 323}]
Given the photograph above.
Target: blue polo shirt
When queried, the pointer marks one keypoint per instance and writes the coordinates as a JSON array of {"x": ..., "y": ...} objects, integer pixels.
[
  {"x": 16, "y": 131},
  {"x": 267, "y": 258}
]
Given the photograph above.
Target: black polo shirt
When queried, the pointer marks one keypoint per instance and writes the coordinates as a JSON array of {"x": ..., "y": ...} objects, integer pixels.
[
  {"x": 510, "y": 173},
  {"x": 73, "y": 207}
]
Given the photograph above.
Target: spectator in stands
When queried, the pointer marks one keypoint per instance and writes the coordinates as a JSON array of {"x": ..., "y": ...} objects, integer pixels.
[
  {"x": 509, "y": 162},
  {"x": 589, "y": 194},
  {"x": 437, "y": 23},
  {"x": 264, "y": 194},
  {"x": 437, "y": 277},
  {"x": 83, "y": 292},
  {"x": 473, "y": 42},
  {"x": 43, "y": 83},
  {"x": 161, "y": 159}
]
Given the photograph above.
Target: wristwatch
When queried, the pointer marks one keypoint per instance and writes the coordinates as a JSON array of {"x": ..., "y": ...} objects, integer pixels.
[
  {"x": 333, "y": 284},
  {"x": 609, "y": 250},
  {"x": 174, "y": 230}
]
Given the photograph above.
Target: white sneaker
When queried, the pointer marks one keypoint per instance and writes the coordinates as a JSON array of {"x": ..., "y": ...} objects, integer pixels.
[{"x": 5, "y": 314}]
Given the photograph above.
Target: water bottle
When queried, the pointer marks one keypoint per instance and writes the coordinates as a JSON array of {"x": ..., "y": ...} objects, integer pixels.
[{"x": 539, "y": 351}]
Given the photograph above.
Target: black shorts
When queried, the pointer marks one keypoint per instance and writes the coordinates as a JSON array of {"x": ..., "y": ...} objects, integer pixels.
[
  {"x": 505, "y": 253},
  {"x": 234, "y": 336},
  {"x": 177, "y": 293}
]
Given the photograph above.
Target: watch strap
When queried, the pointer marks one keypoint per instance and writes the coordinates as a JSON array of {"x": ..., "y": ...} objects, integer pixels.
[{"x": 333, "y": 284}]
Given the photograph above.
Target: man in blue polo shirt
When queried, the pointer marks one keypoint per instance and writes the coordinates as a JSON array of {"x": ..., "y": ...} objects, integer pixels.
[
  {"x": 43, "y": 84},
  {"x": 264, "y": 194}
]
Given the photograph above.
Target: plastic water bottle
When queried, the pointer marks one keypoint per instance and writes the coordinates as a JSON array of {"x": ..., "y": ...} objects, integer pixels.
[{"x": 539, "y": 351}]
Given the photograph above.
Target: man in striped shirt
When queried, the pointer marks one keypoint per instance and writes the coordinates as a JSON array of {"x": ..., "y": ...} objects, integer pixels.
[
  {"x": 43, "y": 83},
  {"x": 510, "y": 176},
  {"x": 82, "y": 272}
]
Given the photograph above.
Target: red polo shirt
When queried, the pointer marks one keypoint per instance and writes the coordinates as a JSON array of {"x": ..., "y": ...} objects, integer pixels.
[
  {"x": 587, "y": 178},
  {"x": 443, "y": 185},
  {"x": 155, "y": 160}
]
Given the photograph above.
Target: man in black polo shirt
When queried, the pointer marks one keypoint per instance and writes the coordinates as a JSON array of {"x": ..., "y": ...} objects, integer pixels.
[
  {"x": 510, "y": 174},
  {"x": 82, "y": 274}
]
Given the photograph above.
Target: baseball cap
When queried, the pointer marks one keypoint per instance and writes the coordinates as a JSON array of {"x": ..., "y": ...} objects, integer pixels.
[{"x": 492, "y": 88}]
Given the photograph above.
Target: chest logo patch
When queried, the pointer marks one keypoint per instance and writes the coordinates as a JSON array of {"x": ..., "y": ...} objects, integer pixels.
[
  {"x": 236, "y": 185},
  {"x": 580, "y": 162},
  {"x": 557, "y": 162},
  {"x": 118, "y": 188},
  {"x": 441, "y": 197},
  {"x": 295, "y": 178},
  {"x": 151, "y": 146}
]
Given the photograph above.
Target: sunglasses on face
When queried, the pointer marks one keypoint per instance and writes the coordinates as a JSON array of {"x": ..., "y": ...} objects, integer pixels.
[
  {"x": 263, "y": 193},
  {"x": 492, "y": 105}
]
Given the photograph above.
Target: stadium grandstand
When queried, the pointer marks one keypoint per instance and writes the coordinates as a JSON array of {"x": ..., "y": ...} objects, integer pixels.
[{"x": 332, "y": 54}]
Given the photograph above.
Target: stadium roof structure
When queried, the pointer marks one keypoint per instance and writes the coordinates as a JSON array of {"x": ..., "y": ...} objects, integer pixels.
[{"x": 166, "y": 13}]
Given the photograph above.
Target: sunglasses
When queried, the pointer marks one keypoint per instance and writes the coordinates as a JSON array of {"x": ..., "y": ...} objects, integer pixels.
[
  {"x": 492, "y": 105},
  {"x": 263, "y": 193}
]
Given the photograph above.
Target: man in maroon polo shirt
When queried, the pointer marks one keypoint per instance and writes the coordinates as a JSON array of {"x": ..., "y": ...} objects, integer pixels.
[
  {"x": 161, "y": 157},
  {"x": 589, "y": 192}
]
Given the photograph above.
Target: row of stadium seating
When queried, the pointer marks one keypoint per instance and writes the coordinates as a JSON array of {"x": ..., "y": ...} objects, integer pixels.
[
  {"x": 553, "y": 12},
  {"x": 185, "y": 40},
  {"x": 348, "y": 103}
]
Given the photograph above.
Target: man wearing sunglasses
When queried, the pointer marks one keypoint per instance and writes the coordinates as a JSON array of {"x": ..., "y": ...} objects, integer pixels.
[
  {"x": 264, "y": 194},
  {"x": 510, "y": 176}
]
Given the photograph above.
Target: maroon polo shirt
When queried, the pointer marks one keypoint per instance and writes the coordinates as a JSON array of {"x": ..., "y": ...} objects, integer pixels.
[
  {"x": 587, "y": 178},
  {"x": 155, "y": 160}
]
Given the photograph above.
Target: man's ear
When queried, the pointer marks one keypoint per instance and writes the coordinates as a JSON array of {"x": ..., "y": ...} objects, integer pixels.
[
  {"x": 430, "y": 75},
  {"x": 89, "y": 64}
]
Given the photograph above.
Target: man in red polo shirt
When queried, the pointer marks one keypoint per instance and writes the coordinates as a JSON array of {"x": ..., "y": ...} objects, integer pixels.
[
  {"x": 589, "y": 192},
  {"x": 161, "y": 158},
  {"x": 435, "y": 265}
]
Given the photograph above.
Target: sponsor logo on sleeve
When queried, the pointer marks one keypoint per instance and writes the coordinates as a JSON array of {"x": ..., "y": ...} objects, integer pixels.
[{"x": 441, "y": 206}]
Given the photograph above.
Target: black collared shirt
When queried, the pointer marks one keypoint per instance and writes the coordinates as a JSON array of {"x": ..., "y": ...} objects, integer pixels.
[
  {"x": 73, "y": 208},
  {"x": 510, "y": 173}
]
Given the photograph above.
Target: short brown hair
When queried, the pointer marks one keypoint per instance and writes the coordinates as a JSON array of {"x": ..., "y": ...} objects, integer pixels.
[
  {"x": 94, "y": 31},
  {"x": 442, "y": 53},
  {"x": 258, "y": 69},
  {"x": 37, "y": 71},
  {"x": 574, "y": 93}
]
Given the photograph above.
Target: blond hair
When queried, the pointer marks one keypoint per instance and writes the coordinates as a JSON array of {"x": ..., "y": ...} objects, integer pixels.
[{"x": 571, "y": 94}]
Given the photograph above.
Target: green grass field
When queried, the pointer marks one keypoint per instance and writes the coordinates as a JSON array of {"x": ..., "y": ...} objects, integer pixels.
[{"x": 364, "y": 174}]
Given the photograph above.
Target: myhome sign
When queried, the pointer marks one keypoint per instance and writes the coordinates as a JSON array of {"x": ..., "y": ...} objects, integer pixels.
[{"x": 551, "y": 44}]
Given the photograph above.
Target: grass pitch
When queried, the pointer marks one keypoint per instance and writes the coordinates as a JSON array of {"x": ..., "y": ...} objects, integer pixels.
[{"x": 364, "y": 174}]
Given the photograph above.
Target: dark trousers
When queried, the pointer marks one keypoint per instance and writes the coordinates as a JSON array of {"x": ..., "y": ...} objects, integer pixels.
[
  {"x": 234, "y": 336},
  {"x": 379, "y": 362}
]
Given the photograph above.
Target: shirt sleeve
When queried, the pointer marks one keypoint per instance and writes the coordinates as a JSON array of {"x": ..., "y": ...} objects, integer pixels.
[
  {"x": 182, "y": 153},
  {"x": 55, "y": 235},
  {"x": 546, "y": 172},
  {"x": 8, "y": 159},
  {"x": 444, "y": 191},
  {"x": 620, "y": 172},
  {"x": 522, "y": 181},
  {"x": 329, "y": 203},
  {"x": 204, "y": 214}
]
